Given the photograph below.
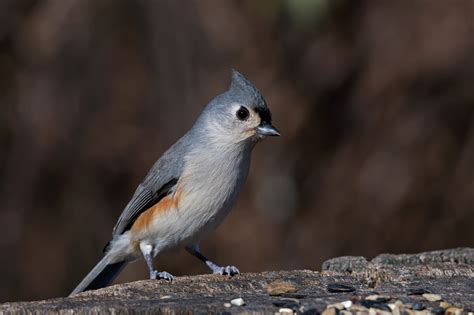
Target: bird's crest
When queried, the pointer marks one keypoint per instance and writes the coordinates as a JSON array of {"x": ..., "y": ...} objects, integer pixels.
[{"x": 240, "y": 85}]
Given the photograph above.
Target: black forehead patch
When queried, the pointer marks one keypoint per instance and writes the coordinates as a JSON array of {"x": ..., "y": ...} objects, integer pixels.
[
  {"x": 264, "y": 113},
  {"x": 244, "y": 92}
]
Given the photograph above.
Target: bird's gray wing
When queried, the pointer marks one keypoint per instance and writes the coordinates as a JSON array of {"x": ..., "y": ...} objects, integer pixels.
[
  {"x": 143, "y": 199},
  {"x": 160, "y": 181}
]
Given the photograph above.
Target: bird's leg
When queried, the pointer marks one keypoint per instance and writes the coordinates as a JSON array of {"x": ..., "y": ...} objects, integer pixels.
[
  {"x": 154, "y": 274},
  {"x": 216, "y": 269}
]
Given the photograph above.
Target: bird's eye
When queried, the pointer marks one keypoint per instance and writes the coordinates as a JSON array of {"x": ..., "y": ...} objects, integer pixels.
[{"x": 243, "y": 113}]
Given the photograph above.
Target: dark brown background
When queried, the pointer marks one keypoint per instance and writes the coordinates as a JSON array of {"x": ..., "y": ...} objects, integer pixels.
[{"x": 375, "y": 100}]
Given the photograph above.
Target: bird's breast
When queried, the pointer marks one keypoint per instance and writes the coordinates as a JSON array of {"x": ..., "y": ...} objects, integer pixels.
[
  {"x": 210, "y": 188},
  {"x": 206, "y": 191},
  {"x": 210, "y": 185}
]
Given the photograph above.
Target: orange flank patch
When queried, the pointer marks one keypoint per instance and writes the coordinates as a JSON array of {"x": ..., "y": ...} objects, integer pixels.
[{"x": 144, "y": 220}]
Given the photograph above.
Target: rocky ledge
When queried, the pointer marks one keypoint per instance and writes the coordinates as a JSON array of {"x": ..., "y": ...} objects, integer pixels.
[{"x": 439, "y": 282}]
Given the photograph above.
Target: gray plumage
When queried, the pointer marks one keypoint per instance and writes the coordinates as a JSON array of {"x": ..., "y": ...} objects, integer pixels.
[
  {"x": 100, "y": 276},
  {"x": 170, "y": 165},
  {"x": 166, "y": 170},
  {"x": 208, "y": 166}
]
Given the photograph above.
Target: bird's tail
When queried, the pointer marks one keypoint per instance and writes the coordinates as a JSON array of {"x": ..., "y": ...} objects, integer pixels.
[{"x": 100, "y": 276}]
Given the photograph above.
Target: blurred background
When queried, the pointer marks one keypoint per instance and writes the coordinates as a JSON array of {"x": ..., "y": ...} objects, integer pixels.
[{"x": 375, "y": 101}]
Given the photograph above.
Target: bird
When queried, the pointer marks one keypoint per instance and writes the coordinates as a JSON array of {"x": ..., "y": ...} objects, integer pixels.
[{"x": 191, "y": 188}]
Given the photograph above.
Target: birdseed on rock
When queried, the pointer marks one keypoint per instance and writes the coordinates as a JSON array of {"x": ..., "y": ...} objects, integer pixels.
[
  {"x": 358, "y": 308},
  {"x": 237, "y": 302},
  {"x": 339, "y": 288},
  {"x": 330, "y": 311},
  {"x": 417, "y": 306},
  {"x": 397, "y": 303},
  {"x": 432, "y": 297},
  {"x": 376, "y": 305},
  {"x": 372, "y": 297},
  {"x": 338, "y": 306},
  {"x": 378, "y": 298},
  {"x": 417, "y": 291},
  {"x": 438, "y": 310},
  {"x": 311, "y": 311},
  {"x": 294, "y": 304},
  {"x": 453, "y": 311},
  {"x": 374, "y": 311}
]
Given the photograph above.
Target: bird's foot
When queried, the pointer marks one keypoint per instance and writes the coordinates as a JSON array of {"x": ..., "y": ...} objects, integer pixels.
[
  {"x": 161, "y": 275},
  {"x": 227, "y": 270}
]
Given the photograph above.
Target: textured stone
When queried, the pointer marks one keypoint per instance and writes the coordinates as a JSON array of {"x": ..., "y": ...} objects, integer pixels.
[
  {"x": 449, "y": 273},
  {"x": 345, "y": 264}
]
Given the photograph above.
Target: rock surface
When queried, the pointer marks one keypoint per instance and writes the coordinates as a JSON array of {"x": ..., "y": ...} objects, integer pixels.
[{"x": 396, "y": 284}]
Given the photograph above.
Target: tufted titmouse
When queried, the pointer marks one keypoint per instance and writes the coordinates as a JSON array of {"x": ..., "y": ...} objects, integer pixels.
[{"x": 191, "y": 188}]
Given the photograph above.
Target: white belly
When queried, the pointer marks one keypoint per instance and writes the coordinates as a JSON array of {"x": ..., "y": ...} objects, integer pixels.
[
  {"x": 184, "y": 225},
  {"x": 206, "y": 196},
  {"x": 205, "y": 193}
]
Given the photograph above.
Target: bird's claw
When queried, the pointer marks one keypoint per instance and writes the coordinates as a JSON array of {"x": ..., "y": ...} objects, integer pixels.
[
  {"x": 161, "y": 275},
  {"x": 227, "y": 270}
]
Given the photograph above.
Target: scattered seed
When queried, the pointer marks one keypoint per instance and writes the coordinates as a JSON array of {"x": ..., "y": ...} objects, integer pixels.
[
  {"x": 379, "y": 312},
  {"x": 438, "y": 310},
  {"x": 358, "y": 308},
  {"x": 454, "y": 310},
  {"x": 395, "y": 305},
  {"x": 237, "y": 302},
  {"x": 330, "y": 311},
  {"x": 294, "y": 295},
  {"x": 432, "y": 297},
  {"x": 285, "y": 311},
  {"x": 311, "y": 311},
  {"x": 396, "y": 311},
  {"x": 339, "y": 288},
  {"x": 417, "y": 306},
  {"x": 376, "y": 304},
  {"x": 372, "y": 297},
  {"x": 378, "y": 298},
  {"x": 338, "y": 306},
  {"x": 382, "y": 306},
  {"x": 417, "y": 291},
  {"x": 293, "y": 304}
]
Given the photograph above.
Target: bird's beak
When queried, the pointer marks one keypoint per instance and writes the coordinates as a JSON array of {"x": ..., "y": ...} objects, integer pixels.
[{"x": 266, "y": 129}]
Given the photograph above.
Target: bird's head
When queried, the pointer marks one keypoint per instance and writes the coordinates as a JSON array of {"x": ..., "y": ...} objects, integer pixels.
[{"x": 239, "y": 114}]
